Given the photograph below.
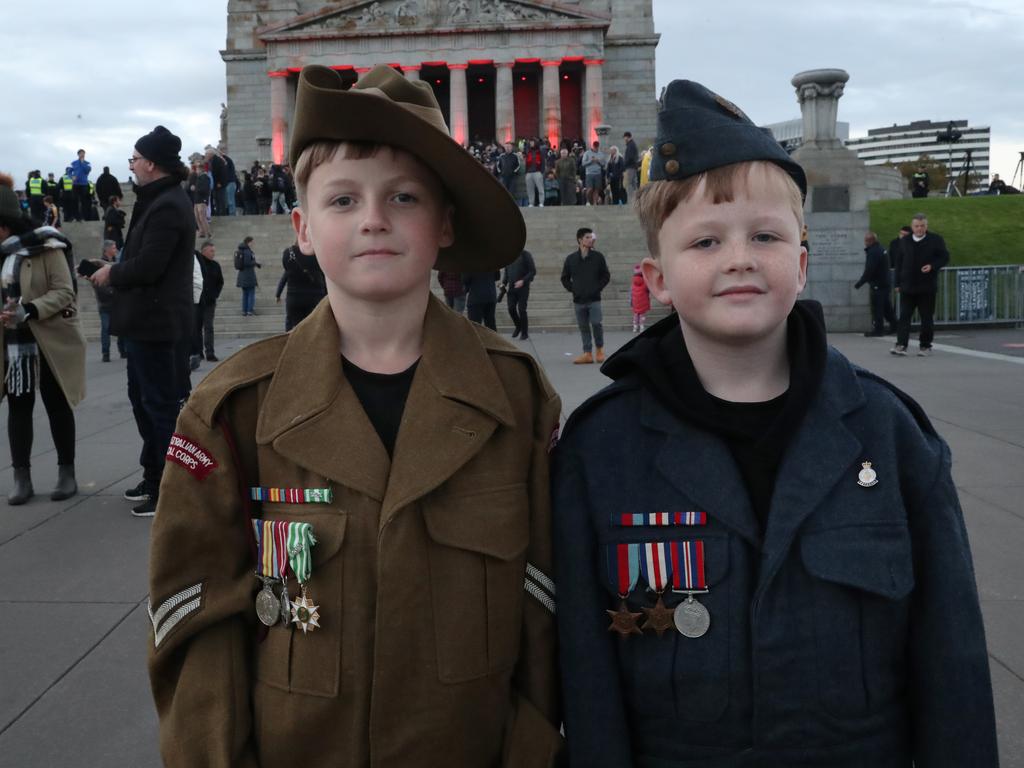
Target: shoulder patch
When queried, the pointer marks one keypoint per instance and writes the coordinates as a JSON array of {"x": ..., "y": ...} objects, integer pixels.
[
  {"x": 912, "y": 405},
  {"x": 247, "y": 366},
  {"x": 189, "y": 454}
]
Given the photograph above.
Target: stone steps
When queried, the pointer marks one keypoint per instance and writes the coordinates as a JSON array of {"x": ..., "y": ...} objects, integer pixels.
[{"x": 551, "y": 236}]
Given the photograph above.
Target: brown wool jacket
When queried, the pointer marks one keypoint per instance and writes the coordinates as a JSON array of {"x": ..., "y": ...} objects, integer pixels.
[{"x": 431, "y": 652}]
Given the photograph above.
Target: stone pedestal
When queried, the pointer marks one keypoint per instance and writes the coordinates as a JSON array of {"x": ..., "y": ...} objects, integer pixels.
[{"x": 836, "y": 207}]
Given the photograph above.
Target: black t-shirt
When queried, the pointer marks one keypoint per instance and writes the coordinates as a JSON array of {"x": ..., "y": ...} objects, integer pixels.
[{"x": 383, "y": 397}]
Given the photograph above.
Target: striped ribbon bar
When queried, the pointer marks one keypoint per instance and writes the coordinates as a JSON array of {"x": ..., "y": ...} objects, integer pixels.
[
  {"x": 293, "y": 495},
  {"x": 624, "y": 567},
  {"x": 272, "y": 547},
  {"x": 660, "y": 519},
  {"x": 655, "y": 564},
  {"x": 688, "y": 566}
]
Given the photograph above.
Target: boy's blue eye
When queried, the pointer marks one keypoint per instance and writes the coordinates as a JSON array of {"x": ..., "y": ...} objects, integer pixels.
[
  {"x": 342, "y": 201},
  {"x": 765, "y": 237},
  {"x": 707, "y": 242},
  {"x": 405, "y": 197}
]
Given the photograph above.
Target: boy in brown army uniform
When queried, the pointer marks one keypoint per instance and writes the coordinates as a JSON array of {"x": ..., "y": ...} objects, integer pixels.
[{"x": 393, "y": 456}]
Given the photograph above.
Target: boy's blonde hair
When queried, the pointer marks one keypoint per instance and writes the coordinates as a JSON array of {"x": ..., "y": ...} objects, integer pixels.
[
  {"x": 320, "y": 152},
  {"x": 656, "y": 200}
]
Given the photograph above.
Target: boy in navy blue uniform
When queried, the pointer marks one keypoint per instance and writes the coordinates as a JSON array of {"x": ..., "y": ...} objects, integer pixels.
[{"x": 760, "y": 555}]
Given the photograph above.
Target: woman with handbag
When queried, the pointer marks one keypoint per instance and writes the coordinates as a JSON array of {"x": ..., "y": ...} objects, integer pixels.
[{"x": 44, "y": 348}]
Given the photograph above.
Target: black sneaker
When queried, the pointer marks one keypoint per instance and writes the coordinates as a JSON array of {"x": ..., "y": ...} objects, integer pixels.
[
  {"x": 212, "y": 358},
  {"x": 139, "y": 493},
  {"x": 106, "y": 358},
  {"x": 146, "y": 508}
]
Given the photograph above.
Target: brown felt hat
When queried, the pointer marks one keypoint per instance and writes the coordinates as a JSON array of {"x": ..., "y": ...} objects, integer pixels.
[{"x": 386, "y": 108}]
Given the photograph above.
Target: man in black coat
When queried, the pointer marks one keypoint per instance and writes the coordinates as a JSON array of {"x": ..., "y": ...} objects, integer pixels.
[
  {"x": 921, "y": 257},
  {"x": 876, "y": 275},
  {"x": 584, "y": 275},
  {"x": 107, "y": 186},
  {"x": 221, "y": 179},
  {"x": 153, "y": 307},
  {"x": 896, "y": 245},
  {"x": 518, "y": 276},
  {"x": 213, "y": 284},
  {"x": 481, "y": 297}
]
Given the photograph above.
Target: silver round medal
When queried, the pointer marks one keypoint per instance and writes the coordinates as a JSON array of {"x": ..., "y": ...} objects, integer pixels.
[
  {"x": 268, "y": 606},
  {"x": 691, "y": 618}
]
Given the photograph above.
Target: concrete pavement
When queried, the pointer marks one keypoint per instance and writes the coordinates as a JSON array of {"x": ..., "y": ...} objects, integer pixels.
[{"x": 73, "y": 574}]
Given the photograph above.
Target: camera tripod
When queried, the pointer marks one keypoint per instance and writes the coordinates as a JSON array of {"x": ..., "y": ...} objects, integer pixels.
[
  {"x": 1018, "y": 171},
  {"x": 965, "y": 171}
]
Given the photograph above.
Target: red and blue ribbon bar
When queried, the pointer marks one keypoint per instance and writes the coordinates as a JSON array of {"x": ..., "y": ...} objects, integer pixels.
[
  {"x": 624, "y": 567},
  {"x": 660, "y": 519},
  {"x": 688, "y": 566},
  {"x": 655, "y": 565},
  {"x": 293, "y": 495},
  {"x": 272, "y": 547}
]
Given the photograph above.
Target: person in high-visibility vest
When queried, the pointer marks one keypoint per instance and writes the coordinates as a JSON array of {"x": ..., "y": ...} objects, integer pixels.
[
  {"x": 34, "y": 192},
  {"x": 68, "y": 202}
]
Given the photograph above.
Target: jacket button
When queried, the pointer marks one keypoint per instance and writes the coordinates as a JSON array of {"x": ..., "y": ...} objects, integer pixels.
[{"x": 668, "y": 148}]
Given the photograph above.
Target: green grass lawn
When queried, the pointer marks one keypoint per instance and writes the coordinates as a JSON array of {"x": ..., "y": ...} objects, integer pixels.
[{"x": 978, "y": 231}]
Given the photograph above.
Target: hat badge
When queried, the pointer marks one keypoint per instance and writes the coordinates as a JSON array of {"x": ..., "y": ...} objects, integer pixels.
[
  {"x": 867, "y": 477},
  {"x": 729, "y": 107}
]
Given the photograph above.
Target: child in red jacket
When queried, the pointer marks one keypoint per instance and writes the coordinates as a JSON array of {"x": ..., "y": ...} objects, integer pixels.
[{"x": 639, "y": 299}]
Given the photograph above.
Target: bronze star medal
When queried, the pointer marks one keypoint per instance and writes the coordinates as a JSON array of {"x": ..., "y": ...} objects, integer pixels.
[
  {"x": 305, "y": 613},
  {"x": 624, "y": 621},
  {"x": 659, "y": 618}
]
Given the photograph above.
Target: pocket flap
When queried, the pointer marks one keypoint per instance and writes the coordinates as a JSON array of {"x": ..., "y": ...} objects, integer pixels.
[
  {"x": 493, "y": 522},
  {"x": 873, "y": 558}
]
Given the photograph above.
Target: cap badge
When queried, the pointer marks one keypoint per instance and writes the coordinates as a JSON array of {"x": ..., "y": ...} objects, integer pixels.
[
  {"x": 731, "y": 108},
  {"x": 867, "y": 476}
]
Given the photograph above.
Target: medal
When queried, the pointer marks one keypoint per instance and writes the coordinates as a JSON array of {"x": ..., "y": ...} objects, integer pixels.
[
  {"x": 305, "y": 613},
  {"x": 659, "y": 618},
  {"x": 624, "y": 621},
  {"x": 292, "y": 495},
  {"x": 659, "y": 519},
  {"x": 268, "y": 607},
  {"x": 690, "y": 617},
  {"x": 867, "y": 477}
]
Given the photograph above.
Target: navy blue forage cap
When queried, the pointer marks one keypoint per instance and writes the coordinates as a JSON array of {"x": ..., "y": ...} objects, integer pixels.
[{"x": 699, "y": 130}]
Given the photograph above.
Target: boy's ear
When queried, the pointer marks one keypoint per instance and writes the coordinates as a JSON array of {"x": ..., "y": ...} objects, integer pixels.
[
  {"x": 447, "y": 234},
  {"x": 302, "y": 234},
  {"x": 655, "y": 279},
  {"x": 802, "y": 277}
]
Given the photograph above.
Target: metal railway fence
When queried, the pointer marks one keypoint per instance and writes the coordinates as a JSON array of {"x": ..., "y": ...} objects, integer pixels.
[{"x": 980, "y": 295}]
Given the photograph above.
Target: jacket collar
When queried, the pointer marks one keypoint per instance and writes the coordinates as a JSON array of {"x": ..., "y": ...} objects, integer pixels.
[
  {"x": 819, "y": 455},
  {"x": 455, "y": 403}
]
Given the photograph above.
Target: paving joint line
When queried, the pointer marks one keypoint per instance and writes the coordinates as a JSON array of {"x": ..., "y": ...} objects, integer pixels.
[
  {"x": 1005, "y": 666},
  {"x": 976, "y": 497}
]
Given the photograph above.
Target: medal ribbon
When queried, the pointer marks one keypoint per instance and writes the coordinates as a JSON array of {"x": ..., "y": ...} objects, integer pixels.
[
  {"x": 654, "y": 563},
  {"x": 272, "y": 547},
  {"x": 660, "y": 519},
  {"x": 624, "y": 566},
  {"x": 292, "y": 495},
  {"x": 688, "y": 566},
  {"x": 300, "y": 540}
]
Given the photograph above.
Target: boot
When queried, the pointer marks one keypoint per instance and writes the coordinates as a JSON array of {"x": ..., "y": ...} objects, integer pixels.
[
  {"x": 22, "y": 490},
  {"x": 66, "y": 485},
  {"x": 600, "y": 355},
  {"x": 583, "y": 359}
]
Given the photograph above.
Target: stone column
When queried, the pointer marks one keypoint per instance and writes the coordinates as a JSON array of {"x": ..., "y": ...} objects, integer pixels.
[
  {"x": 818, "y": 91},
  {"x": 551, "y": 88},
  {"x": 459, "y": 109},
  {"x": 593, "y": 106},
  {"x": 411, "y": 72},
  {"x": 504, "y": 106},
  {"x": 278, "y": 115}
]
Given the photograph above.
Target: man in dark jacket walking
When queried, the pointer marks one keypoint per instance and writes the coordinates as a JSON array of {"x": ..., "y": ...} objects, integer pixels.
[
  {"x": 213, "y": 284},
  {"x": 584, "y": 275},
  {"x": 518, "y": 276},
  {"x": 481, "y": 297},
  {"x": 921, "y": 257},
  {"x": 876, "y": 275},
  {"x": 107, "y": 186},
  {"x": 153, "y": 307}
]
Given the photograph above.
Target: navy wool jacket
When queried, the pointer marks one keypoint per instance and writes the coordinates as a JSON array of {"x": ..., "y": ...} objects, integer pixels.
[{"x": 847, "y": 634}]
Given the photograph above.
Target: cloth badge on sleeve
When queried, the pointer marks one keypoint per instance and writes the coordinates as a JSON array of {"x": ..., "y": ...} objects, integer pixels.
[
  {"x": 553, "y": 440},
  {"x": 190, "y": 455}
]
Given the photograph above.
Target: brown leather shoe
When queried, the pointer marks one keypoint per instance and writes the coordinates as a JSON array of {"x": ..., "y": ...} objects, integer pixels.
[
  {"x": 600, "y": 354},
  {"x": 583, "y": 359}
]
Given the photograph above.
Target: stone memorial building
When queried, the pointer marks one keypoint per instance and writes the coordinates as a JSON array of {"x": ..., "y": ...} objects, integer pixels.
[{"x": 501, "y": 69}]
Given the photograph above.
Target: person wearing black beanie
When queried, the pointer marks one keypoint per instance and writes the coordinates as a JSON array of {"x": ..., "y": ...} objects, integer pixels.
[{"x": 153, "y": 309}]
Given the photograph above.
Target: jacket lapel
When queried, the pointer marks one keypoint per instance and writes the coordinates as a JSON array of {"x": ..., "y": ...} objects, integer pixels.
[
  {"x": 455, "y": 404},
  {"x": 820, "y": 455},
  {"x": 312, "y": 416},
  {"x": 702, "y": 469}
]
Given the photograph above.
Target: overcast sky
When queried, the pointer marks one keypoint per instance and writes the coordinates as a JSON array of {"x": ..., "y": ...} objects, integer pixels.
[{"x": 131, "y": 65}]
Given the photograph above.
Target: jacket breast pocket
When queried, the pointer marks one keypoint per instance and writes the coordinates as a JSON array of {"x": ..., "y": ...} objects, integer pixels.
[
  {"x": 862, "y": 577},
  {"x": 477, "y": 564},
  {"x": 309, "y": 663},
  {"x": 692, "y": 672}
]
